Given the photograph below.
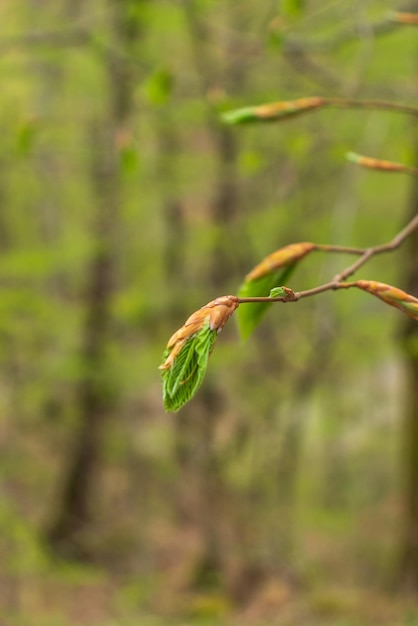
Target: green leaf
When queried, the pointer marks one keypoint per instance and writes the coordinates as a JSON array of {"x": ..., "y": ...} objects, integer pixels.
[
  {"x": 182, "y": 380},
  {"x": 273, "y": 111},
  {"x": 292, "y": 8},
  {"x": 250, "y": 314},
  {"x": 240, "y": 116},
  {"x": 158, "y": 87},
  {"x": 277, "y": 292},
  {"x": 26, "y": 136},
  {"x": 129, "y": 160}
]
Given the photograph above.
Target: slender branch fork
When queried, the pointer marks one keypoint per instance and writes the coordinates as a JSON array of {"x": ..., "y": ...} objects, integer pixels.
[{"x": 365, "y": 254}]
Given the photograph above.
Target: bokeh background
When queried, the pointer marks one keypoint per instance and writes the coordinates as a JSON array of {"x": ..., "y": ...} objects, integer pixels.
[{"x": 286, "y": 492}]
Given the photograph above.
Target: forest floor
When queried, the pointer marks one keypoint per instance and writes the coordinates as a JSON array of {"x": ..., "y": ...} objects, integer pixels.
[
  {"x": 86, "y": 595},
  {"x": 99, "y": 601}
]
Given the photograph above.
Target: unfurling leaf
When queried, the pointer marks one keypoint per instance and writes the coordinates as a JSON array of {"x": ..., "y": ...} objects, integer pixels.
[
  {"x": 277, "y": 292},
  {"x": 391, "y": 295},
  {"x": 185, "y": 359},
  {"x": 275, "y": 269},
  {"x": 185, "y": 375},
  {"x": 272, "y": 111},
  {"x": 281, "y": 258}
]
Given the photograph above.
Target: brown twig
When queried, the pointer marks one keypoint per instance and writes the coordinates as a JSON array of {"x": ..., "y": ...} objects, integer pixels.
[
  {"x": 388, "y": 24},
  {"x": 382, "y": 105},
  {"x": 365, "y": 255}
]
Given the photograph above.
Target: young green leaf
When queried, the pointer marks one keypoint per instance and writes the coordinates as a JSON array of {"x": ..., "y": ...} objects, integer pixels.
[
  {"x": 277, "y": 292},
  {"x": 249, "y": 316},
  {"x": 183, "y": 379},
  {"x": 273, "y": 111},
  {"x": 185, "y": 359},
  {"x": 281, "y": 258},
  {"x": 274, "y": 270}
]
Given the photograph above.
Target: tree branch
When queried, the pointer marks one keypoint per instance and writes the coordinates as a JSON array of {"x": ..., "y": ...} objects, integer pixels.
[
  {"x": 390, "y": 23},
  {"x": 365, "y": 253}
]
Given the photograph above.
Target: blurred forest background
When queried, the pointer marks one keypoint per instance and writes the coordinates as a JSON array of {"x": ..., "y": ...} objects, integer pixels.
[{"x": 286, "y": 492}]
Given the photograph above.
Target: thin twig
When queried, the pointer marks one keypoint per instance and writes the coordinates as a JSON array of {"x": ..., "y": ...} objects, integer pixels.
[
  {"x": 286, "y": 298},
  {"x": 338, "y": 281},
  {"x": 388, "y": 24},
  {"x": 367, "y": 254},
  {"x": 382, "y": 105},
  {"x": 324, "y": 247}
]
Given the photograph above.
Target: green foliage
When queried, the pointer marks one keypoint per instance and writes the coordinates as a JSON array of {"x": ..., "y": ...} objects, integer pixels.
[
  {"x": 184, "y": 377},
  {"x": 26, "y": 136},
  {"x": 272, "y": 111},
  {"x": 239, "y": 116},
  {"x": 250, "y": 315},
  {"x": 292, "y": 8},
  {"x": 277, "y": 292},
  {"x": 158, "y": 87},
  {"x": 224, "y": 473},
  {"x": 129, "y": 160}
]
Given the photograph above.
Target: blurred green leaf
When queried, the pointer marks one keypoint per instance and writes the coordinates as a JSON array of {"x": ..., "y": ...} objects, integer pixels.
[
  {"x": 129, "y": 160},
  {"x": 272, "y": 111},
  {"x": 158, "y": 87},
  {"x": 240, "y": 116},
  {"x": 250, "y": 162},
  {"x": 26, "y": 135},
  {"x": 292, "y": 8},
  {"x": 249, "y": 315},
  {"x": 275, "y": 39}
]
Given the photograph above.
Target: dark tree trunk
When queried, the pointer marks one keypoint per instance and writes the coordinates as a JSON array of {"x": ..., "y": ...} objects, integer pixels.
[
  {"x": 94, "y": 403},
  {"x": 95, "y": 395}
]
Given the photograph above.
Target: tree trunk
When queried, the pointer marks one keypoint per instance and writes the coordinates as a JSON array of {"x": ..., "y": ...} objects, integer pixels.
[{"x": 95, "y": 395}]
